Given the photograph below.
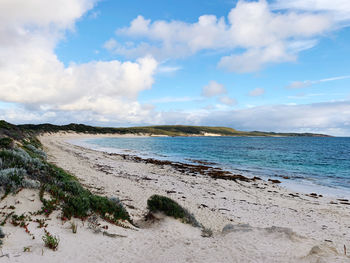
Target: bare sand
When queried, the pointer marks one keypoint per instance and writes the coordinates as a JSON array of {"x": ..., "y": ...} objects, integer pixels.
[{"x": 264, "y": 222}]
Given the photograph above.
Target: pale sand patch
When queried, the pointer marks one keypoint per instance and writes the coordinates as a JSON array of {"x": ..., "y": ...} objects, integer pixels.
[{"x": 215, "y": 203}]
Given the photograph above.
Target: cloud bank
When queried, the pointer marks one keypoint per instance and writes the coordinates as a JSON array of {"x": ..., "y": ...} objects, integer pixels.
[
  {"x": 264, "y": 33},
  {"x": 32, "y": 75}
]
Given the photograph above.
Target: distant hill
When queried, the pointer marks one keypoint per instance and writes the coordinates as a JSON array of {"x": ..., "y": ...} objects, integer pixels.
[{"x": 169, "y": 130}]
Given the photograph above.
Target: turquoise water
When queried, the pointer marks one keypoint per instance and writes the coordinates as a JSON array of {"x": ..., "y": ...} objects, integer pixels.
[{"x": 316, "y": 162}]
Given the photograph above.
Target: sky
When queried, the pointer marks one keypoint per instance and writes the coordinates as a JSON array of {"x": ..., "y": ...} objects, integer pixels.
[{"x": 279, "y": 65}]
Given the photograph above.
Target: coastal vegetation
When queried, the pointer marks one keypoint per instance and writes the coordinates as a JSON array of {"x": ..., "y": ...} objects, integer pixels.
[
  {"x": 168, "y": 130},
  {"x": 23, "y": 165},
  {"x": 51, "y": 241},
  {"x": 158, "y": 203}
]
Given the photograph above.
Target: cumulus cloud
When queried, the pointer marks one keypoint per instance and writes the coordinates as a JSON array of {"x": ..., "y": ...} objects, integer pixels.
[
  {"x": 264, "y": 34},
  {"x": 32, "y": 75},
  {"x": 213, "y": 89},
  {"x": 256, "y": 92}
]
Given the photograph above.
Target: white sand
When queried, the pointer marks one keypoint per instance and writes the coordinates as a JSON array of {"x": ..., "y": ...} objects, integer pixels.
[{"x": 282, "y": 228}]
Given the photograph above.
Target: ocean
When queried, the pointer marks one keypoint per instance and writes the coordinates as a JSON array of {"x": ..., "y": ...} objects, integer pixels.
[{"x": 312, "y": 164}]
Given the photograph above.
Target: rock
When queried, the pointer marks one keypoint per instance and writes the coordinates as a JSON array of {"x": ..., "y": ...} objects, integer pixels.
[
  {"x": 256, "y": 178},
  {"x": 236, "y": 228},
  {"x": 314, "y": 195},
  {"x": 274, "y": 181}
]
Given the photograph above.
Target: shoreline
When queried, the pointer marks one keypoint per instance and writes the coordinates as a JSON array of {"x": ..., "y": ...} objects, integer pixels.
[
  {"x": 227, "y": 201},
  {"x": 251, "y": 221},
  {"x": 303, "y": 186}
]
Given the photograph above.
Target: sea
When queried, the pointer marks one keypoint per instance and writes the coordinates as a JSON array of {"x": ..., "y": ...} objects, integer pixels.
[{"x": 311, "y": 164}]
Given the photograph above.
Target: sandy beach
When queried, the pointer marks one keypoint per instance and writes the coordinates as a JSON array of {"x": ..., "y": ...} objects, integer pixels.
[{"x": 262, "y": 221}]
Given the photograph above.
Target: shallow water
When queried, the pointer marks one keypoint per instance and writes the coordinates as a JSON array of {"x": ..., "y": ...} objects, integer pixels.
[{"x": 311, "y": 163}]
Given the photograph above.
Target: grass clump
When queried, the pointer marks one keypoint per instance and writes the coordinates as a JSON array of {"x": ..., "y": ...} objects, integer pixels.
[
  {"x": 158, "y": 203},
  {"x": 2, "y": 235},
  {"x": 51, "y": 241},
  {"x": 6, "y": 143}
]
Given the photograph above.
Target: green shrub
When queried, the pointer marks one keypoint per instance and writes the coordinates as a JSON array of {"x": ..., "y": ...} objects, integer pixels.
[
  {"x": 6, "y": 143},
  {"x": 36, "y": 151},
  {"x": 51, "y": 241},
  {"x": 158, "y": 203},
  {"x": 19, "y": 158},
  {"x": 104, "y": 206},
  {"x": 28, "y": 168},
  {"x": 77, "y": 206}
]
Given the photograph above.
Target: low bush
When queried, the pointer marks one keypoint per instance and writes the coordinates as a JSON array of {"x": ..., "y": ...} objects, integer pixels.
[
  {"x": 77, "y": 201},
  {"x": 108, "y": 209},
  {"x": 27, "y": 168},
  {"x": 158, "y": 203},
  {"x": 6, "y": 143},
  {"x": 38, "y": 152},
  {"x": 51, "y": 241},
  {"x": 21, "y": 159},
  {"x": 12, "y": 179}
]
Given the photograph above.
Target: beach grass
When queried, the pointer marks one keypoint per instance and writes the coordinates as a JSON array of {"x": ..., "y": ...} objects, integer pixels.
[
  {"x": 23, "y": 165},
  {"x": 158, "y": 203}
]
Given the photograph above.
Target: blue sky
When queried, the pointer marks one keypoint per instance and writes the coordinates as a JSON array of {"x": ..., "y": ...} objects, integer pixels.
[{"x": 277, "y": 65}]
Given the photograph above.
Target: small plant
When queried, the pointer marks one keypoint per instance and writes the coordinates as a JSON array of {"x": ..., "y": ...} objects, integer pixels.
[
  {"x": 158, "y": 203},
  {"x": 41, "y": 223},
  {"x": 26, "y": 249},
  {"x": 74, "y": 227},
  {"x": 6, "y": 143},
  {"x": 2, "y": 235},
  {"x": 93, "y": 224},
  {"x": 51, "y": 241},
  {"x": 207, "y": 232}
]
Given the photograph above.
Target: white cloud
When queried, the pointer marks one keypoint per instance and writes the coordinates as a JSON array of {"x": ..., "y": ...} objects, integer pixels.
[
  {"x": 299, "y": 84},
  {"x": 227, "y": 100},
  {"x": 308, "y": 83},
  {"x": 213, "y": 89},
  {"x": 168, "y": 69},
  {"x": 266, "y": 36},
  {"x": 256, "y": 92},
  {"x": 32, "y": 75},
  {"x": 316, "y": 117},
  {"x": 60, "y": 14},
  {"x": 329, "y": 117},
  {"x": 339, "y": 10},
  {"x": 174, "y": 99},
  {"x": 110, "y": 44}
]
